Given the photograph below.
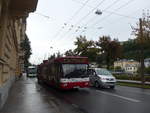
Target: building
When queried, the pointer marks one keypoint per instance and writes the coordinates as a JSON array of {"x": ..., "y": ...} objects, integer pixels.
[
  {"x": 13, "y": 14},
  {"x": 130, "y": 66},
  {"x": 147, "y": 62}
]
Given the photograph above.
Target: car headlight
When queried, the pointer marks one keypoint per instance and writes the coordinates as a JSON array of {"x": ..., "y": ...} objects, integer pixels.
[{"x": 103, "y": 78}]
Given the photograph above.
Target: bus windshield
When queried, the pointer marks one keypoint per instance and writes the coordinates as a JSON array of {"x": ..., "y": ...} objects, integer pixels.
[
  {"x": 32, "y": 70},
  {"x": 74, "y": 70}
]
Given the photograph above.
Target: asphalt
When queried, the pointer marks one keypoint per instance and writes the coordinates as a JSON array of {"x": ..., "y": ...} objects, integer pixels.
[
  {"x": 120, "y": 100},
  {"x": 27, "y": 96}
]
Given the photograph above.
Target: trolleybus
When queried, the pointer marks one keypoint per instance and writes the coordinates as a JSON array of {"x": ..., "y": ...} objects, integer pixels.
[{"x": 64, "y": 72}]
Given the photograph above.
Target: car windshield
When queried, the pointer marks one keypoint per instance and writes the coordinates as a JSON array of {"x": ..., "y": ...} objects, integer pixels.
[
  {"x": 75, "y": 70},
  {"x": 103, "y": 72}
]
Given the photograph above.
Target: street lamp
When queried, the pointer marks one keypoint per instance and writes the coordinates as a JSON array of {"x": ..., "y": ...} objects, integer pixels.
[{"x": 98, "y": 12}]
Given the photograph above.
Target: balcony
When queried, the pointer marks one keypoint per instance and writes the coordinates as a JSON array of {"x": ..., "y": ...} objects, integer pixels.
[{"x": 21, "y": 8}]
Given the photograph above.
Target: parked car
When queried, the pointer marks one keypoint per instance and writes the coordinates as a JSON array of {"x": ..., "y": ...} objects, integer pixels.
[{"x": 102, "y": 78}]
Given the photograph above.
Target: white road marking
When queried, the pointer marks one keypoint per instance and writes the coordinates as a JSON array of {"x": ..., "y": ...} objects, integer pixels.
[
  {"x": 74, "y": 105},
  {"x": 119, "y": 96}
]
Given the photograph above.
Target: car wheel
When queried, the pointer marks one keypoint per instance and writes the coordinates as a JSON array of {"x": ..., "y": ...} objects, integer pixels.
[
  {"x": 96, "y": 84},
  {"x": 112, "y": 87}
]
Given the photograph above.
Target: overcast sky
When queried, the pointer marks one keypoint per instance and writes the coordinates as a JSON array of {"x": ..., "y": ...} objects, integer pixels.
[{"x": 56, "y": 23}]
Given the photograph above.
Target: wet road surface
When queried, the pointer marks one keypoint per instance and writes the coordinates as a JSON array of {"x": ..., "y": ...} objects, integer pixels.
[
  {"x": 120, "y": 100},
  {"x": 27, "y": 96}
]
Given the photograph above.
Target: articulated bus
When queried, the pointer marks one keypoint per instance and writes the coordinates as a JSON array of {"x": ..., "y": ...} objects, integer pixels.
[{"x": 64, "y": 72}]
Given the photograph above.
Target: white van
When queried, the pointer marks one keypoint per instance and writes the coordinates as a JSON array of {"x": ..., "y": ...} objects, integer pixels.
[{"x": 102, "y": 78}]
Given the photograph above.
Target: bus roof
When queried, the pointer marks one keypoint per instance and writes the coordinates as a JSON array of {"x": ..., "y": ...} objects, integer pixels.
[
  {"x": 72, "y": 59},
  {"x": 32, "y": 67}
]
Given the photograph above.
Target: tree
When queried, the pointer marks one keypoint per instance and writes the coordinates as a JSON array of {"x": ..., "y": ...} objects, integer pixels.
[
  {"x": 58, "y": 55},
  {"x": 70, "y": 52},
  {"x": 26, "y": 47},
  {"x": 143, "y": 40},
  {"x": 82, "y": 45},
  {"x": 142, "y": 33},
  {"x": 52, "y": 57},
  {"x": 111, "y": 49},
  {"x": 86, "y": 48}
]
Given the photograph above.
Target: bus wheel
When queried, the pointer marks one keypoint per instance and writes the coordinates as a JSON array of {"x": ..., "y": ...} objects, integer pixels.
[
  {"x": 39, "y": 81},
  {"x": 96, "y": 84}
]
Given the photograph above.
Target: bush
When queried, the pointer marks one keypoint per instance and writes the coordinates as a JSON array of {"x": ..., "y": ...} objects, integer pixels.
[
  {"x": 126, "y": 77},
  {"x": 147, "y": 70}
]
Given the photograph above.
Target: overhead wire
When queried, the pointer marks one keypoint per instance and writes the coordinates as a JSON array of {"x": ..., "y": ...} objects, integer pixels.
[
  {"x": 111, "y": 5},
  {"x": 77, "y": 12},
  {"x": 100, "y": 3},
  {"x": 111, "y": 12},
  {"x": 117, "y": 20},
  {"x": 42, "y": 15}
]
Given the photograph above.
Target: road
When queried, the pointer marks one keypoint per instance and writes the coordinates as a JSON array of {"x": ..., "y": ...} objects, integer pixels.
[
  {"x": 120, "y": 100},
  {"x": 27, "y": 96}
]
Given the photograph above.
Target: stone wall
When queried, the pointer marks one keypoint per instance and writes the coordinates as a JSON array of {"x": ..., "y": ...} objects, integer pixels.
[{"x": 12, "y": 33}]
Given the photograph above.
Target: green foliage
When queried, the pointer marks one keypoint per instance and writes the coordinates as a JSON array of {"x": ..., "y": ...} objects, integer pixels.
[
  {"x": 126, "y": 77},
  {"x": 52, "y": 57},
  {"x": 103, "y": 52},
  {"x": 70, "y": 53},
  {"x": 118, "y": 68},
  {"x": 131, "y": 49},
  {"x": 111, "y": 49},
  {"x": 86, "y": 48},
  {"x": 147, "y": 70},
  {"x": 26, "y": 47},
  {"x": 133, "y": 85},
  {"x": 55, "y": 55}
]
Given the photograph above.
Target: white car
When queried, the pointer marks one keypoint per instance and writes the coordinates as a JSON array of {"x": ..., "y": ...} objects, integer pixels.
[{"x": 102, "y": 78}]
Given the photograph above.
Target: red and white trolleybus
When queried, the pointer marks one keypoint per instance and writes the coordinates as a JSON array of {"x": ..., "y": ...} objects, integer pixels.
[{"x": 64, "y": 72}]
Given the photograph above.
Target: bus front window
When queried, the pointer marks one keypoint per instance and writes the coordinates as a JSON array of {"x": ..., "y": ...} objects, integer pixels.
[
  {"x": 74, "y": 70},
  {"x": 32, "y": 70}
]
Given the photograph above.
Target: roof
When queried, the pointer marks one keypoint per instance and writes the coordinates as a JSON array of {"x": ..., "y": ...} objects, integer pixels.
[
  {"x": 147, "y": 60},
  {"x": 125, "y": 60},
  {"x": 131, "y": 65}
]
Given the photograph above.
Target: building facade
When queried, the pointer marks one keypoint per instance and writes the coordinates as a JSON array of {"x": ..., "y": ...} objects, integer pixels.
[
  {"x": 13, "y": 14},
  {"x": 147, "y": 62},
  {"x": 130, "y": 66}
]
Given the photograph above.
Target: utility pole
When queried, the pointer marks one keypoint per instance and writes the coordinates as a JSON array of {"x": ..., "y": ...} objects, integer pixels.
[{"x": 142, "y": 53}]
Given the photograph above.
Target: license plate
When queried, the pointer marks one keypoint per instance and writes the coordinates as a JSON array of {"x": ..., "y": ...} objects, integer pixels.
[{"x": 76, "y": 87}]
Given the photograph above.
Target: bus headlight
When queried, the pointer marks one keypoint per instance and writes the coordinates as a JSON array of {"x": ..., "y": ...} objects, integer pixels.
[
  {"x": 86, "y": 83},
  {"x": 65, "y": 84}
]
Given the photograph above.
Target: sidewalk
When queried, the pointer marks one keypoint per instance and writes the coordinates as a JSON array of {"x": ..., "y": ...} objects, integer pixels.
[{"x": 26, "y": 96}]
